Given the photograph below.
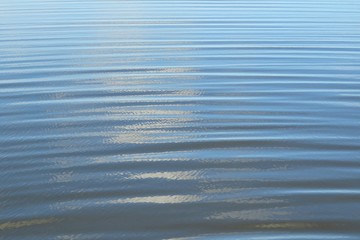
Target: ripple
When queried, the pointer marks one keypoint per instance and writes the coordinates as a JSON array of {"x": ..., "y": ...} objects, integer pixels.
[{"x": 183, "y": 119}]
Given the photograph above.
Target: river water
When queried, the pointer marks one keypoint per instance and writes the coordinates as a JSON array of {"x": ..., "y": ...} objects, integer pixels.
[{"x": 182, "y": 119}]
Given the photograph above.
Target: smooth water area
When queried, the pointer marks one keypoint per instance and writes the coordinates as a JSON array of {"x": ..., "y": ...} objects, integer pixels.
[{"x": 181, "y": 119}]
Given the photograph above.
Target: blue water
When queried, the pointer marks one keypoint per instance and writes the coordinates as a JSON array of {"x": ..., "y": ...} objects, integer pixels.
[{"x": 182, "y": 119}]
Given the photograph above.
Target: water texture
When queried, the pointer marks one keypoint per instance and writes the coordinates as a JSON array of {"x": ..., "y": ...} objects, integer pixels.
[{"x": 181, "y": 119}]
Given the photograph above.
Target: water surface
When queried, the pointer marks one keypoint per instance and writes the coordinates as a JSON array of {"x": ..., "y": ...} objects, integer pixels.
[{"x": 182, "y": 119}]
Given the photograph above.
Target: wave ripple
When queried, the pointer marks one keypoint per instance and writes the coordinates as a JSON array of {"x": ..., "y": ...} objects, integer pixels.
[{"x": 182, "y": 119}]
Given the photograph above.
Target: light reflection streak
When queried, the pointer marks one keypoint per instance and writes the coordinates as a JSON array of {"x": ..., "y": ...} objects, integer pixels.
[
  {"x": 179, "y": 175},
  {"x": 27, "y": 223},
  {"x": 254, "y": 214},
  {"x": 167, "y": 199}
]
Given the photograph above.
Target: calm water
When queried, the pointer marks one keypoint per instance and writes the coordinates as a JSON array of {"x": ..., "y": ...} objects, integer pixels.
[{"x": 181, "y": 119}]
